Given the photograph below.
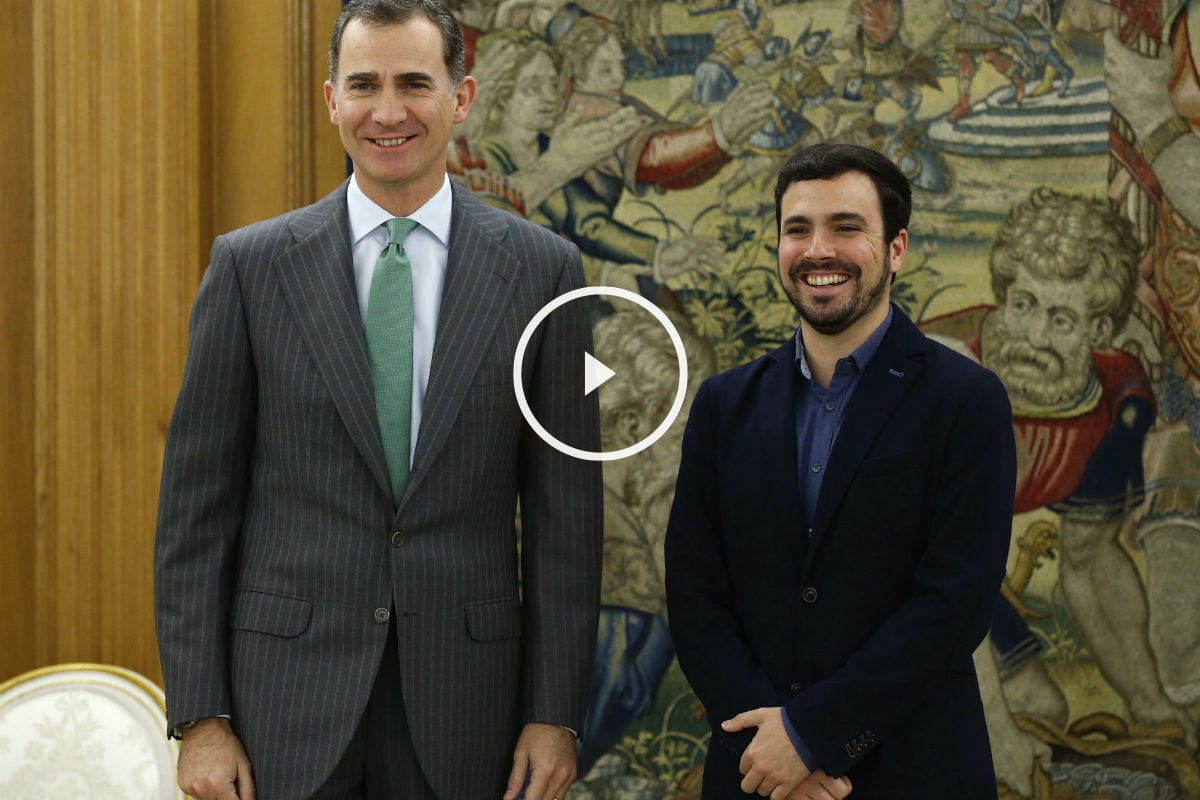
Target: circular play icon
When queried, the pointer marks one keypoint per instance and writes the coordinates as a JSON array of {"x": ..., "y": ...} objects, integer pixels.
[{"x": 596, "y": 373}]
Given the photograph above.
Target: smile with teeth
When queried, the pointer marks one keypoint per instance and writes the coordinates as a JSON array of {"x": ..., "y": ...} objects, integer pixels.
[
  {"x": 825, "y": 280},
  {"x": 391, "y": 142}
]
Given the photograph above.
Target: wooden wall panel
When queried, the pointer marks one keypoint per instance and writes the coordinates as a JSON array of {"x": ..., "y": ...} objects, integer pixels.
[
  {"x": 17, "y": 486},
  {"x": 274, "y": 148},
  {"x": 119, "y": 174},
  {"x": 139, "y": 129}
]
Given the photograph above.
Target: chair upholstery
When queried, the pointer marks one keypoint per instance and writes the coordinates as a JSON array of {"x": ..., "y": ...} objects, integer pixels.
[{"x": 85, "y": 730}]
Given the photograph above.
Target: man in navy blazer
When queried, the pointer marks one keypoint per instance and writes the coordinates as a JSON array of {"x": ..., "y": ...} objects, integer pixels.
[
  {"x": 323, "y": 633},
  {"x": 841, "y": 522}
]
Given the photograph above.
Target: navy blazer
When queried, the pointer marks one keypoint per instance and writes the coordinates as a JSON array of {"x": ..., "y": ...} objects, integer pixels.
[{"x": 864, "y": 625}]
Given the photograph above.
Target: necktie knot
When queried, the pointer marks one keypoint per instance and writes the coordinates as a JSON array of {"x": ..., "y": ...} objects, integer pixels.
[{"x": 399, "y": 228}]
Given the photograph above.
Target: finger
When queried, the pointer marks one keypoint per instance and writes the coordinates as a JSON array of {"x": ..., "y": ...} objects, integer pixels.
[
  {"x": 746, "y": 719},
  {"x": 751, "y": 782},
  {"x": 537, "y": 788},
  {"x": 245, "y": 783},
  {"x": 516, "y": 778}
]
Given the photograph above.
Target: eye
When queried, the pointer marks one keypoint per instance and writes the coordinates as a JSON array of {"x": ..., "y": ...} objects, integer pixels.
[
  {"x": 1062, "y": 323},
  {"x": 1021, "y": 304}
]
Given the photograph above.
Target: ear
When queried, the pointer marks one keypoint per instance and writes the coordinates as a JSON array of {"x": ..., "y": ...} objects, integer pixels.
[
  {"x": 897, "y": 248},
  {"x": 464, "y": 96},
  {"x": 331, "y": 102},
  {"x": 1100, "y": 333}
]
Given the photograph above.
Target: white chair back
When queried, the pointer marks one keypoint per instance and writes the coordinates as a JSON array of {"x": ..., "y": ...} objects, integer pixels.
[{"x": 85, "y": 731}]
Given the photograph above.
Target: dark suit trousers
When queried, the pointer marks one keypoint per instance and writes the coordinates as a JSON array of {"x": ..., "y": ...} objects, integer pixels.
[{"x": 381, "y": 762}]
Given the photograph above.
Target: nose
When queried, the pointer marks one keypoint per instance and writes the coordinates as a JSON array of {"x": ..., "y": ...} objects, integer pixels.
[
  {"x": 820, "y": 246},
  {"x": 1035, "y": 331},
  {"x": 390, "y": 110}
]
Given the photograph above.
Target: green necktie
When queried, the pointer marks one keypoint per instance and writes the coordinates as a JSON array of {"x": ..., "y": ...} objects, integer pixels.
[{"x": 390, "y": 349}]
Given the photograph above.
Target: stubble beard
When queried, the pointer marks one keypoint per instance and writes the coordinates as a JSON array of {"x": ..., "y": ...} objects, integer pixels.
[{"x": 831, "y": 316}]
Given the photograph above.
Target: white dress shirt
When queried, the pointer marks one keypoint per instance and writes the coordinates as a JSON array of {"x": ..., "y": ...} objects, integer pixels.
[{"x": 427, "y": 247}]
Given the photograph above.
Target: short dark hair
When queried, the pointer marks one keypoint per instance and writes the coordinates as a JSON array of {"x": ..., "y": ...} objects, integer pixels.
[
  {"x": 827, "y": 160},
  {"x": 398, "y": 12}
]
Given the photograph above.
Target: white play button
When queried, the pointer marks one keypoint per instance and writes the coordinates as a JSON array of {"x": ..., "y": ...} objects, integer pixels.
[{"x": 594, "y": 373}]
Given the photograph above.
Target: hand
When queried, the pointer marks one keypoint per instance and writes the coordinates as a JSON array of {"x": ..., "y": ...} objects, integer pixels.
[
  {"x": 819, "y": 786},
  {"x": 575, "y": 147},
  {"x": 691, "y": 253},
  {"x": 771, "y": 764},
  {"x": 1137, "y": 85},
  {"x": 213, "y": 763},
  {"x": 546, "y": 754},
  {"x": 744, "y": 112}
]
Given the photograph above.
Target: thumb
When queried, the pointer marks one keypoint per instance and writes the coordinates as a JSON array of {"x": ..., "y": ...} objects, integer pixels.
[{"x": 746, "y": 719}]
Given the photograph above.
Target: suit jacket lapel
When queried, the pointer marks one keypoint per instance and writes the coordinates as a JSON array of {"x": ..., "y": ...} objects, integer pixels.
[
  {"x": 317, "y": 277},
  {"x": 480, "y": 275},
  {"x": 887, "y": 378},
  {"x": 777, "y": 421}
]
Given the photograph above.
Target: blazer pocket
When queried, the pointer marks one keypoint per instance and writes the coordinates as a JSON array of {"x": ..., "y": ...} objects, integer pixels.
[
  {"x": 895, "y": 462},
  {"x": 492, "y": 620},
  {"x": 274, "y": 614}
]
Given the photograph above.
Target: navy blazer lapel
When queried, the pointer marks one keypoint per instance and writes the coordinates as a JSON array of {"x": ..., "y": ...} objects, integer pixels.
[
  {"x": 888, "y": 377},
  {"x": 480, "y": 275},
  {"x": 776, "y": 419},
  {"x": 317, "y": 277}
]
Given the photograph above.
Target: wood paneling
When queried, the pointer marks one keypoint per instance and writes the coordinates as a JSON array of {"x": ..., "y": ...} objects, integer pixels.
[
  {"x": 273, "y": 144},
  {"x": 135, "y": 130},
  {"x": 118, "y": 177},
  {"x": 17, "y": 486}
]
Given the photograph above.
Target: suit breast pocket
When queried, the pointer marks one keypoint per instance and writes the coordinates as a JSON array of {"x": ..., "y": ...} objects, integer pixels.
[{"x": 270, "y": 613}]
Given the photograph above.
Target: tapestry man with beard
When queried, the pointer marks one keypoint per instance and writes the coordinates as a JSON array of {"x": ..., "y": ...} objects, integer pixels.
[{"x": 1064, "y": 271}]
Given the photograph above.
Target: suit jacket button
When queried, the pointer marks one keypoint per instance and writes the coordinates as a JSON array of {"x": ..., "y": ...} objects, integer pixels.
[
  {"x": 809, "y": 595},
  {"x": 397, "y": 538},
  {"x": 382, "y": 615},
  {"x": 795, "y": 689}
]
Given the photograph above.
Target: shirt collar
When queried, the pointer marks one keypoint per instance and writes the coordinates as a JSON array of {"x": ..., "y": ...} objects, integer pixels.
[
  {"x": 366, "y": 215},
  {"x": 861, "y": 356}
]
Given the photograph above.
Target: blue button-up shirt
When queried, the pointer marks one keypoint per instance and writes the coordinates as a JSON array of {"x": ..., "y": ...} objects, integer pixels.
[
  {"x": 819, "y": 412},
  {"x": 819, "y": 415}
]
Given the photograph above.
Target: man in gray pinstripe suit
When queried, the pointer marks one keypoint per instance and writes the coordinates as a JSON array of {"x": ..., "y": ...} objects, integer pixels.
[{"x": 319, "y": 636}]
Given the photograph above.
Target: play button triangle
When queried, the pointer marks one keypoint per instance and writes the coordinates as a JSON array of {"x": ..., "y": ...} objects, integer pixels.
[{"x": 594, "y": 373}]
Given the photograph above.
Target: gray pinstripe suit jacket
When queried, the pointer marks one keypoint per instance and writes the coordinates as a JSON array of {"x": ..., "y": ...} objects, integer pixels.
[{"x": 276, "y": 555}]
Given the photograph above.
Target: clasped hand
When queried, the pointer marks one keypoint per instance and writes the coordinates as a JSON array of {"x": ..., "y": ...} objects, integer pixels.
[{"x": 771, "y": 766}]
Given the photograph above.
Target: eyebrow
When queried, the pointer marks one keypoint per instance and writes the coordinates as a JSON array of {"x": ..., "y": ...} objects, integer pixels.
[
  {"x": 403, "y": 77},
  {"x": 837, "y": 216}
]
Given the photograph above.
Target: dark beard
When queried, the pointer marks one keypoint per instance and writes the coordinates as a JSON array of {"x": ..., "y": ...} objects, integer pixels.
[
  {"x": 836, "y": 319},
  {"x": 1033, "y": 376}
]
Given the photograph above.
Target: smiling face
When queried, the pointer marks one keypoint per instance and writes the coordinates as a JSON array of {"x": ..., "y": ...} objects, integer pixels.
[
  {"x": 834, "y": 263},
  {"x": 394, "y": 106}
]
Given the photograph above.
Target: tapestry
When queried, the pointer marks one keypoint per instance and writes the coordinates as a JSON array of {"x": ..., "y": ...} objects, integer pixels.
[{"x": 1053, "y": 147}]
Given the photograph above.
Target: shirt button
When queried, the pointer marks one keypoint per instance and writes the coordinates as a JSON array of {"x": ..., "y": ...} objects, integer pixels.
[
  {"x": 809, "y": 533},
  {"x": 830, "y": 406},
  {"x": 382, "y": 615},
  {"x": 795, "y": 689},
  {"x": 816, "y": 467},
  {"x": 397, "y": 538},
  {"x": 809, "y": 595}
]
